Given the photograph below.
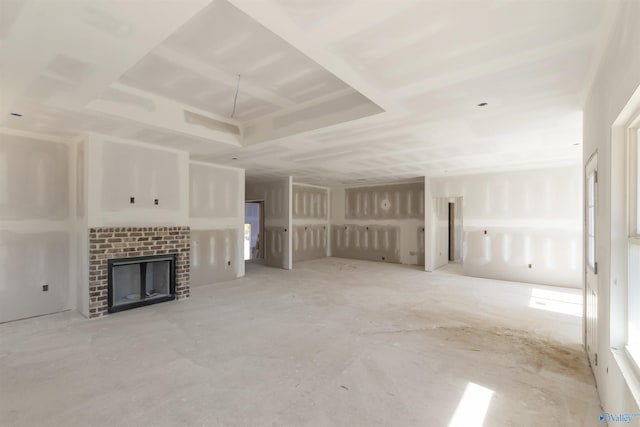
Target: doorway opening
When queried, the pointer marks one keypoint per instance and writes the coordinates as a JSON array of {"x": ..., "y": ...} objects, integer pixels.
[
  {"x": 254, "y": 230},
  {"x": 455, "y": 235},
  {"x": 452, "y": 235},
  {"x": 447, "y": 231}
]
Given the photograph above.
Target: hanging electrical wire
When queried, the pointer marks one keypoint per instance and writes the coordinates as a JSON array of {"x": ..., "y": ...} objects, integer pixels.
[{"x": 235, "y": 98}]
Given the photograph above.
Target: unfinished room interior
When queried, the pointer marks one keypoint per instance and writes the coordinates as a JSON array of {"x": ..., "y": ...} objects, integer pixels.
[{"x": 319, "y": 213}]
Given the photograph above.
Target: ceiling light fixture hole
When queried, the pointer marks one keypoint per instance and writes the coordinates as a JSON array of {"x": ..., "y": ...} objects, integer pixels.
[
  {"x": 16, "y": 114},
  {"x": 483, "y": 104}
]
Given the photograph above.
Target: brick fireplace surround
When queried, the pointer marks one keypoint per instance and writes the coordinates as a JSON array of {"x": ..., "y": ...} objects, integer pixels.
[{"x": 124, "y": 242}]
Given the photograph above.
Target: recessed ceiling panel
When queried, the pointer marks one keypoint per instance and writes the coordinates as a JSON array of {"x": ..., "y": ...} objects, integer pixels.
[{"x": 199, "y": 65}]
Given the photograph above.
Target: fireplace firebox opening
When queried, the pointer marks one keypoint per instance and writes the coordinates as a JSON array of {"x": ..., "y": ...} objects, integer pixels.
[{"x": 139, "y": 281}]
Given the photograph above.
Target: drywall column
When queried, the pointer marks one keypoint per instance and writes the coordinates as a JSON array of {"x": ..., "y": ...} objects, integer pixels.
[
  {"x": 522, "y": 226},
  {"x": 217, "y": 223},
  {"x": 441, "y": 231},
  {"x": 428, "y": 241},
  {"x": 310, "y": 222},
  {"x": 80, "y": 241},
  {"x": 36, "y": 225},
  {"x": 379, "y": 223},
  {"x": 137, "y": 205},
  {"x": 277, "y": 219},
  {"x": 616, "y": 82}
]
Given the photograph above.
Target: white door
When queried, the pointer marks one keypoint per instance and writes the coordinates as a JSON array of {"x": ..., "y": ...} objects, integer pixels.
[{"x": 591, "y": 264}]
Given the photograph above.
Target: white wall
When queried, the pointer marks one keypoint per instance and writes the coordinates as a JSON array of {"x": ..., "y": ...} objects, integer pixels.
[
  {"x": 36, "y": 225},
  {"x": 216, "y": 206},
  {"x": 530, "y": 217},
  {"x": 120, "y": 169},
  {"x": 616, "y": 81}
]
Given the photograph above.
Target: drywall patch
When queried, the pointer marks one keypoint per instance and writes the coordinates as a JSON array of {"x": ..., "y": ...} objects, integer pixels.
[
  {"x": 28, "y": 262},
  {"x": 421, "y": 249},
  {"x": 310, "y": 202},
  {"x": 276, "y": 246},
  {"x": 367, "y": 242},
  {"x": 126, "y": 98},
  {"x": 309, "y": 242},
  {"x": 214, "y": 256},
  {"x": 140, "y": 172},
  {"x": 34, "y": 179},
  {"x": 400, "y": 201},
  {"x": 213, "y": 192},
  {"x": 209, "y": 123}
]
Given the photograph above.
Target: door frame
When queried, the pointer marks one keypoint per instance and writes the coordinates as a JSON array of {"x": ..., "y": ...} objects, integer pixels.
[{"x": 590, "y": 298}]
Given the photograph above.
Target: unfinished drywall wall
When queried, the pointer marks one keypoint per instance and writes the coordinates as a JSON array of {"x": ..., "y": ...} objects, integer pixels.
[
  {"x": 401, "y": 201},
  {"x": 35, "y": 226},
  {"x": 310, "y": 222},
  {"x": 216, "y": 211},
  {"x": 80, "y": 242},
  {"x": 214, "y": 256},
  {"x": 277, "y": 219},
  {"x": 611, "y": 95},
  {"x": 441, "y": 231},
  {"x": 135, "y": 184},
  {"x": 458, "y": 225},
  {"x": 368, "y": 242},
  {"x": 521, "y": 226},
  {"x": 379, "y": 223}
]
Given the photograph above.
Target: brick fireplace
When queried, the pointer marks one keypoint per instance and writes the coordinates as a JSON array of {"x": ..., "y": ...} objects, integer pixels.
[{"x": 108, "y": 243}]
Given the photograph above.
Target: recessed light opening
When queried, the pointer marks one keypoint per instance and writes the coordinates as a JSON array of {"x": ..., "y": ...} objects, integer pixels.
[
  {"x": 483, "y": 104},
  {"x": 16, "y": 114}
]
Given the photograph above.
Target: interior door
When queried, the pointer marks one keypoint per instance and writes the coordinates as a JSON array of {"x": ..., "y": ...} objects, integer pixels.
[{"x": 591, "y": 264}]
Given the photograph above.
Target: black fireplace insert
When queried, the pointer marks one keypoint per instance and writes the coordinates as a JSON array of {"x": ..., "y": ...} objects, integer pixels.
[{"x": 138, "y": 281}]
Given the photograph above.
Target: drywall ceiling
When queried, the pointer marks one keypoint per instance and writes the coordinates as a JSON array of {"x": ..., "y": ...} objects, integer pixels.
[{"x": 334, "y": 91}]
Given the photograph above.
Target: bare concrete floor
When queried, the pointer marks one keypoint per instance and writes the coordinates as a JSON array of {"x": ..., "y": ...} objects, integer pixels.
[{"x": 333, "y": 342}]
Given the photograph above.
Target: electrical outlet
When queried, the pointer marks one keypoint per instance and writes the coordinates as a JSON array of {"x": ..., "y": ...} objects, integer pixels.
[
  {"x": 228, "y": 262},
  {"x": 132, "y": 200},
  {"x": 156, "y": 202},
  {"x": 530, "y": 265},
  {"x": 45, "y": 288}
]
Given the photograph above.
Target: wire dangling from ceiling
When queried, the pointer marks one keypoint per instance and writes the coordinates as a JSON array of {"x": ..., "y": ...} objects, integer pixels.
[{"x": 235, "y": 98}]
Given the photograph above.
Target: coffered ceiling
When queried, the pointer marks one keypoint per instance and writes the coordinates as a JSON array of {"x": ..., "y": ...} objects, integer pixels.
[{"x": 332, "y": 91}]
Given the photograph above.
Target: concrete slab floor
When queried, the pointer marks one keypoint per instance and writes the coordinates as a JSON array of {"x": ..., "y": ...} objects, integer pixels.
[{"x": 333, "y": 342}]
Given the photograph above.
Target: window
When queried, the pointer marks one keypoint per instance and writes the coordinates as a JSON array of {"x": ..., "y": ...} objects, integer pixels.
[{"x": 633, "y": 293}]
